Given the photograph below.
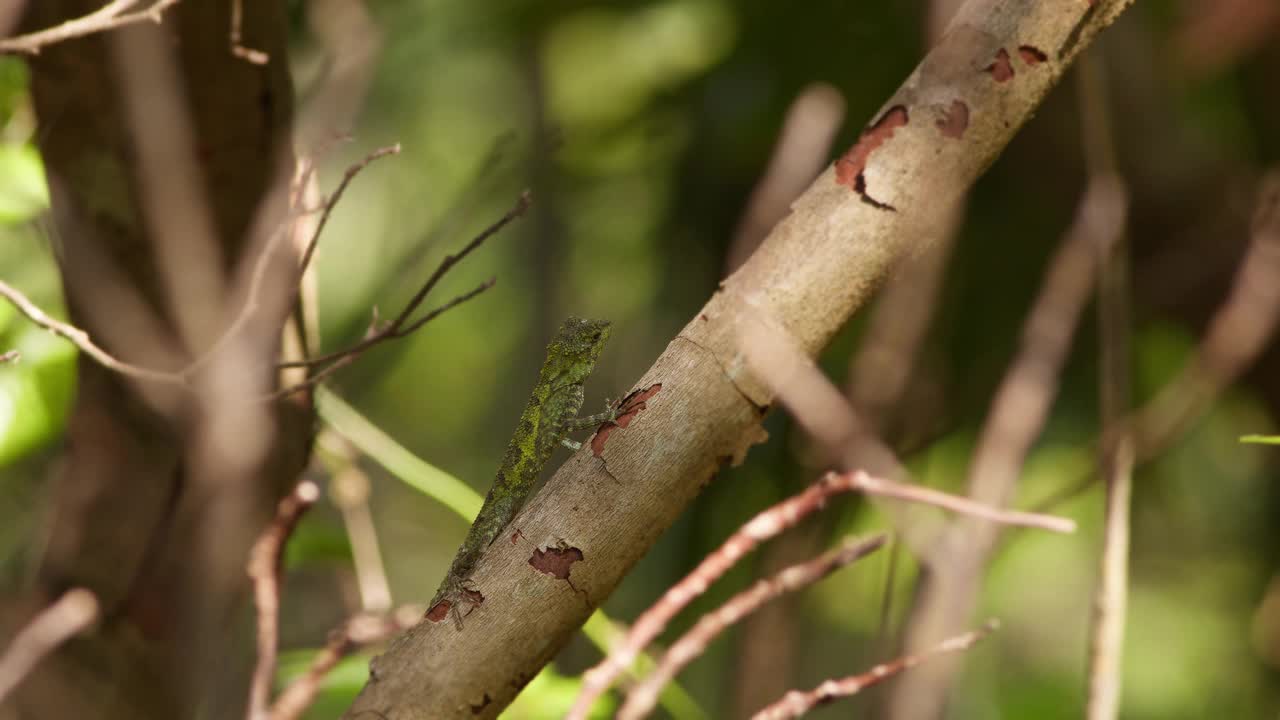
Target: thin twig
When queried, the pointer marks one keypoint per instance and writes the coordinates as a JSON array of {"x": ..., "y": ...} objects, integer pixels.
[
  {"x": 643, "y": 697},
  {"x": 257, "y": 281},
  {"x": 376, "y": 336},
  {"x": 954, "y": 503},
  {"x": 797, "y": 703},
  {"x": 768, "y": 524},
  {"x": 256, "y": 57},
  {"x": 349, "y": 489},
  {"x": 264, "y": 571},
  {"x": 1106, "y": 640},
  {"x": 359, "y": 631},
  {"x": 402, "y": 324},
  {"x": 81, "y": 340},
  {"x": 332, "y": 362},
  {"x": 78, "y": 337},
  {"x": 336, "y": 195},
  {"x": 75, "y": 611},
  {"x": 108, "y": 17},
  {"x": 800, "y": 153},
  {"x": 953, "y": 569},
  {"x": 1238, "y": 333}
]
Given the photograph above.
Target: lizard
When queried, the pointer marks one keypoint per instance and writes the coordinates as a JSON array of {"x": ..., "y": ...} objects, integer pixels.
[{"x": 548, "y": 418}]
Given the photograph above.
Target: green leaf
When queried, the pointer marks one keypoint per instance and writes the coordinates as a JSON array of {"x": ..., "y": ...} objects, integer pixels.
[
  {"x": 1261, "y": 439},
  {"x": 35, "y": 392},
  {"x": 23, "y": 193}
]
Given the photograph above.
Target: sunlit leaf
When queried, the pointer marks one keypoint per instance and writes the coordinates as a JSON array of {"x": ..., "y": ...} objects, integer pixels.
[
  {"x": 35, "y": 392},
  {"x": 23, "y": 193},
  {"x": 1261, "y": 439}
]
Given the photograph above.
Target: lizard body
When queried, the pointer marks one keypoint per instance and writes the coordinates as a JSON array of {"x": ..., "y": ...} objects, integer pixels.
[{"x": 548, "y": 418}]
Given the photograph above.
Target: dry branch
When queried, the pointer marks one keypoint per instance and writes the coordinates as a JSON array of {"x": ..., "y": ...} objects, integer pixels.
[
  {"x": 115, "y": 14},
  {"x": 359, "y": 631},
  {"x": 75, "y": 611},
  {"x": 768, "y": 524},
  {"x": 703, "y": 406},
  {"x": 264, "y": 570},
  {"x": 953, "y": 572},
  {"x": 797, "y": 703},
  {"x": 644, "y": 696},
  {"x": 1106, "y": 641},
  {"x": 404, "y": 323}
]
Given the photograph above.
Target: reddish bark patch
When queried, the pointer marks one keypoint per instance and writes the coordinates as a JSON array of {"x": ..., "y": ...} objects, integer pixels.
[
  {"x": 555, "y": 561},
  {"x": 1001, "y": 69},
  {"x": 1031, "y": 55},
  {"x": 515, "y": 536},
  {"x": 850, "y": 166},
  {"x": 954, "y": 120},
  {"x": 440, "y": 610},
  {"x": 628, "y": 409}
]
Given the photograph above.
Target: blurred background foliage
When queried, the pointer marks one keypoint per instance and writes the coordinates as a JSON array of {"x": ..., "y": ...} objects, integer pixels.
[{"x": 641, "y": 127}]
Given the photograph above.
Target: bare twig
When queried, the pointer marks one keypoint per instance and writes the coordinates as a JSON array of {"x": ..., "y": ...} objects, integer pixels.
[
  {"x": 402, "y": 325},
  {"x": 257, "y": 57},
  {"x": 332, "y": 361},
  {"x": 644, "y": 696},
  {"x": 799, "y": 155},
  {"x": 349, "y": 488},
  {"x": 257, "y": 280},
  {"x": 75, "y": 611},
  {"x": 768, "y": 524},
  {"x": 954, "y": 503},
  {"x": 359, "y": 631},
  {"x": 797, "y": 703},
  {"x": 953, "y": 570},
  {"x": 1237, "y": 335},
  {"x": 1106, "y": 642},
  {"x": 10, "y": 356},
  {"x": 81, "y": 340},
  {"x": 113, "y": 15},
  {"x": 336, "y": 195},
  {"x": 264, "y": 571},
  {"x": 337, "y": 361}
]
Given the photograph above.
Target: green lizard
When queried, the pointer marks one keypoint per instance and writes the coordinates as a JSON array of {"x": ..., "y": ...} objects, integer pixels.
[{"x": 548, "y": 418}]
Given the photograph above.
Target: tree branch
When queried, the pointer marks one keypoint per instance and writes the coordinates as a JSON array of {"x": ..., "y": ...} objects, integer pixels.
[
  {"x": 644, "y": 696},
  {"x": 797, "y": 703},
  {"x": 703, "y": 405},
  {"x": 75, "y": 611},
  {"x": 109, "y": 17},
  {"x": 264, "y": 570}
]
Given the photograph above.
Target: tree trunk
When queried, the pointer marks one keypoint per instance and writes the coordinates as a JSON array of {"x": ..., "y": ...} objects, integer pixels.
[{"x": 168, "y": 159}]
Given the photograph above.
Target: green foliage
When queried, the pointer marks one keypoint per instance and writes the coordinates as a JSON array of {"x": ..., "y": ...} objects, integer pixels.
[
  {"x": 1261, "y": 439},
  {"x": 338, "y": 688},
  {"x": 23, "y": 193},
  {"x": 13, "y": 87},
  {"x": 35, "y": 392}
]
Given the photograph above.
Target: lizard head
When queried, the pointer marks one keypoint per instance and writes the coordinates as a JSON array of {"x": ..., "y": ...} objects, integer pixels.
[{"x": 577, "y": 345}]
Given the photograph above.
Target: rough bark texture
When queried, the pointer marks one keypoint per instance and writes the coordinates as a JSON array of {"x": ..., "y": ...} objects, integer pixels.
[
  {"x": 138, "y": 501},
  {"x": 609, "y": 503}
]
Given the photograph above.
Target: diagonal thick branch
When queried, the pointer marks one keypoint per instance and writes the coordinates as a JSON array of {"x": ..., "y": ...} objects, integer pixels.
[{"x": 703, "y": 406}]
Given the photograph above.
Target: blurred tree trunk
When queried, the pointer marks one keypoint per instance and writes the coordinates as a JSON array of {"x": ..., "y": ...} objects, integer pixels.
[{"x": 139, "y": 512}]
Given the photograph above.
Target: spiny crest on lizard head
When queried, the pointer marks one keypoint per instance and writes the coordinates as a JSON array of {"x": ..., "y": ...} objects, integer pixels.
[{"x": 579, "y": 339}]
